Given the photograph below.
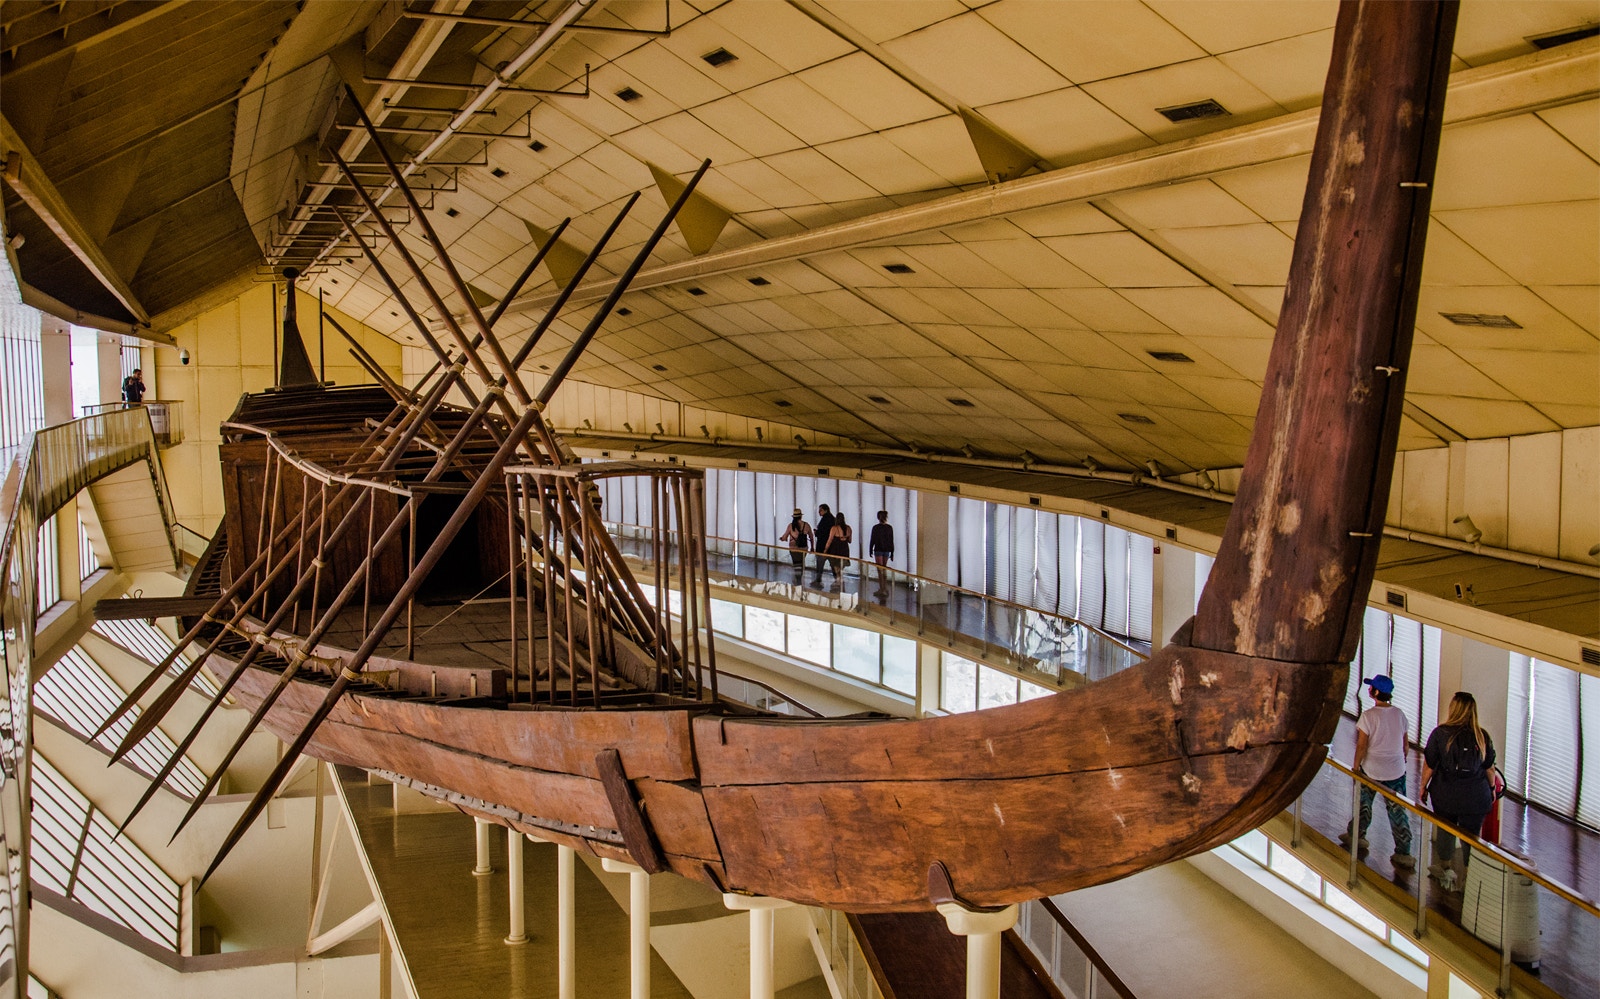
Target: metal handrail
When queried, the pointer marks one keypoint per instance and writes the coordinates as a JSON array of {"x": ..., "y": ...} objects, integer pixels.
[
  {"x": 1088, "y": 949},
  {"x": 1489, "y": 849},
  {"x": 769, "y": 688},
  {"x": 918, "y": 579}
]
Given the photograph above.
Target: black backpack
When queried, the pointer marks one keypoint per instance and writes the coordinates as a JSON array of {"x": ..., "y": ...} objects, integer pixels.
[{"x": 1461, "y": 759}]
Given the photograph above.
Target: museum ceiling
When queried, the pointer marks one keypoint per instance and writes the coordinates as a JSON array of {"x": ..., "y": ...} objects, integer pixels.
[{"x": 1055, "y": 227}]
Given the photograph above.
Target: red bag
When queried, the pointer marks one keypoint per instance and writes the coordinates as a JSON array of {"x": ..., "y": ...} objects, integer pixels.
[{"x": 1491, "y": 824}]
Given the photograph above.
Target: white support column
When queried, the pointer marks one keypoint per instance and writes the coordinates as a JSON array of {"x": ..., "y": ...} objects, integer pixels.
[
  {"x": 1485, "y": 671},
  {"x": 762, "y": 922},
  {"x": 566, "y": 922},
  {"x": 638, "y": 925},
  {"x": 933, "y": 543},
  {"x": 1173, "y": 599},
  {"x": 982, "y": 930},
  {"x": 483, "y": 865},
  {"x": 930, "y": 673},
  {"x": 519, "y": 932}
]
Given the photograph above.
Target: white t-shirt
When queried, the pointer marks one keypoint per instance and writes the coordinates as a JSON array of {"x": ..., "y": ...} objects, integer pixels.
[{"x": 1385, "y": 726}]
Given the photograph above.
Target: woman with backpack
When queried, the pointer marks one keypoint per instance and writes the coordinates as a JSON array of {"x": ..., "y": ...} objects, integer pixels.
[
  {"x": 838, "y": 547},
  {"x": 1457, "y": 783},
  {"x": 798, "y": 538}
]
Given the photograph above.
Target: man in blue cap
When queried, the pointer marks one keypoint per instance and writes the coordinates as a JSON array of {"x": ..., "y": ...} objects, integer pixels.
[{"x": 1381, "y": 756}]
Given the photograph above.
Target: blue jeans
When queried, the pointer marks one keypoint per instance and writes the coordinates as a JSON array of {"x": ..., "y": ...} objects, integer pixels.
[{"x": 1399, "y": 821}]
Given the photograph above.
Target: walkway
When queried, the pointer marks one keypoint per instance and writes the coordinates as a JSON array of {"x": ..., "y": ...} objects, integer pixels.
[{"x": 450, "y": 926}]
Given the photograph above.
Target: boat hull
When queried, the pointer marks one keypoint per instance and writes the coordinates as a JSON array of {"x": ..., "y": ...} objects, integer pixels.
[{"x": 1162, "y": 761}]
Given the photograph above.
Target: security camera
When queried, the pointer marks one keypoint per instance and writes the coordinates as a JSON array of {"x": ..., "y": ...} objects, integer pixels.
[{"x": 183, "y": 355}]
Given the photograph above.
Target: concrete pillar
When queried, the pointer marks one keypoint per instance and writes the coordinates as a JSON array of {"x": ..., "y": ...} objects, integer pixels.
[
  {"x": 55, "y": 363},
  {"x": 68, "y": 542},
  {"x": 930, "y": 670},
  {"x": 519, "y": 931},
  {"x": 483, "y": 865},
  {"x": 933, "y": 543},
  {"x": 566, "y": 922},
  {"x": 762, "y": 918},
  {"x": 108, "y": 354},
  {"x": 638, "y": 925},
  {"x": 982, "y": 930},
  {"x": 1173, "y": 599},
  {"x": 1485, "y": 673}
]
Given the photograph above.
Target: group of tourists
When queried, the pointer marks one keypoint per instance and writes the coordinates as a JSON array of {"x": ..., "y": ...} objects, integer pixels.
[
  {"x": 1459, "y": 781},
  {"x": 831, "y": 540}
]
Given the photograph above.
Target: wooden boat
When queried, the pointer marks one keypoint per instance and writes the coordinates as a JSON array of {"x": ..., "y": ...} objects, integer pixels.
[{"x": 596, "y": 720}]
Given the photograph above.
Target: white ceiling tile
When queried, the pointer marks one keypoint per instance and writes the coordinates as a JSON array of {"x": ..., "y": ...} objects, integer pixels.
[
  {"x": 802, "y": 111},
  {"x": 1437, "y": 370},
  {"x": 767, "y": 184},
  {"x": 1275, "y": 191},
  {"x": 1225, "y": 25},
  {"x": 660, "y": 70},
  {"x": 706, "y": 34},
  {"x": 871, "y": 92},
  {"x": 1486, "y": 164},
  {"x": 819, "y": 175},
  {"x": 1204, "y": 312},
  {"x": 941, "y": 145},
  {"x": 1239, "y": 254},
  {"x": 1092, "y": 39},
  {"x": 1064, "y": 220},
  {"x": 1477, "y": 419},
  {"x": 1104, "y": 310},
  {"x": 1291, "y": 71},
  {"x": 1025, "y": 308},
  {"x": 1066, "y": 126},
  {"x": 1450, "y": 261},
  {"x": 698, "y": 139},
  {"x": 1579, "y": 303},
  {"x": 1234, "y": 396},
  {"x": 1498, "y": 29},
  {"x": 1030, "y": 263},
  {"x": 882, "y": 164},
  {"x": 1542, "y": 327},
  {"x": 1580, "y": 123},
  {"x": 746, "y": 127},
  {"x": 783, "y": 33},
  {"x": 960, "y": 266},
  {"x": 960, "y": 55},
  {"x": 1137, "y": 97},
  {"x": 881, "y": 20},
  {"x": 1535, "y": 244},
  {"x": 1121, "y": 260}
]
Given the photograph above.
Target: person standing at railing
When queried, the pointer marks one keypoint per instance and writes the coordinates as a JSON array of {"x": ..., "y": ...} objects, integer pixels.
[
  {"x": 798, "y": 537},
  {"x": 133, "y": 387},
  {"x": 824, "y": 529},
  {"x": 1458, "y": 778},
  {"x": 1381, "y": 755},
  {"x": 880, "y": 545}
]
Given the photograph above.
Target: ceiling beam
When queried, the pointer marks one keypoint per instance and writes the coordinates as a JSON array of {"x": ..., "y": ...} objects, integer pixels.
[
  {"x": 28, "y": 179},
  {"x": 1548, "y": 78},
  {"x": 69, "y": 31}
]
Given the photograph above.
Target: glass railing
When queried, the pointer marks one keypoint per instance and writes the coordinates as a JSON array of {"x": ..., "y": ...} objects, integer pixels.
[
  {"x": 1046, "y": 649},
  {"x": 46, "y": 472},
  {"x": 1074, "y": 966},
  {"x": 1481, "y": 895},
  {"x": 166, "y": 417}
]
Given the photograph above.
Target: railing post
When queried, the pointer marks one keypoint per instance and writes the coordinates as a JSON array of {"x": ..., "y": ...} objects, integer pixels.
[
  {"x": 1424, "y": 857},
  {"x": 983, "y": 931},
  {"x": 1503, "y": 988},
  {"x": 518, "y": 930},
  {"x": 1355, "y": 830}
]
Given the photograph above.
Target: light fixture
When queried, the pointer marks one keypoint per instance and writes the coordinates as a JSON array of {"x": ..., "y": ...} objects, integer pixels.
[
  {"x": 15, "y": 240},
  {"x": 1206, "y": 481},
  {"x": 969, "y": 451},
  {"x": 758, "y": 433},
  {"x": 1089, "y": 463},
  {"x": 587, "y": 425},
  {"x": 1029, "y": 458},
  {"x": 705, "y": 431},
  {"x": 1594, "y": 551},
  {"x": 627, "y": 426},
  {"x": 1154, "y": 468},
  {"x": 660, "y": 429},
  {"x": 799, "y": 440},
  {"x": 1470, "y": 532}
]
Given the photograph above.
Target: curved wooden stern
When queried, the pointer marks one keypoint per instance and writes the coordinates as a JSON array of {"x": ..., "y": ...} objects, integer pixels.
[{"x": 1214, "y": 734}]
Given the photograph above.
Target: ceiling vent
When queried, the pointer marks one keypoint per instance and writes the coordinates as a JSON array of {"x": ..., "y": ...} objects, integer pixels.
[
  {"x": 1207, "y": 108},
  {"x": 624, "y": 312},
  {"x": 1551, "y": 39},
  {"x": 898, "y": 268},
  {"x": 719, "y": 57},
  {"x": 537, "y": 146},
  {"x": 451, "y": 212},
  {"x": 658, "y": 367},
  {"x": 782, "y": 403},
  {"x": 963, "y": 403},
  {"x": 1589, "y": 654},
  {"x": 880, "y": 400},
  {"x": 1394, "y": 598},
  {"x": 498, "y": 172},
  {"x": 1175, "y": 356},
  {"x": 1137, "y": 418},
  {"x": 628, "y": 95},
  {"x": 1482, "y": 319},
  {"x": 696, "y": 292},
  {"x": 760, "y": 282}
]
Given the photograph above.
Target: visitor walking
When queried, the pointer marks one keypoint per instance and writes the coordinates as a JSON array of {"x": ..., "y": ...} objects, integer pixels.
[
  {"x": 1458, "y": 783},
  {"x": 133, "y": 387},
  {"x": 880, "y": 545},
  {"x": 1381, "y": 755},
  {"x": 838, "y": 548},
  {"x": 820, "y": 540},
  {"x": 798, "y": 536}
]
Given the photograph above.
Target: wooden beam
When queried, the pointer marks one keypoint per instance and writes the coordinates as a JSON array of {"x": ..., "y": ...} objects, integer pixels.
[
  {"x": 63, "y": 29},
  {"x": 28, "y": 179}
]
